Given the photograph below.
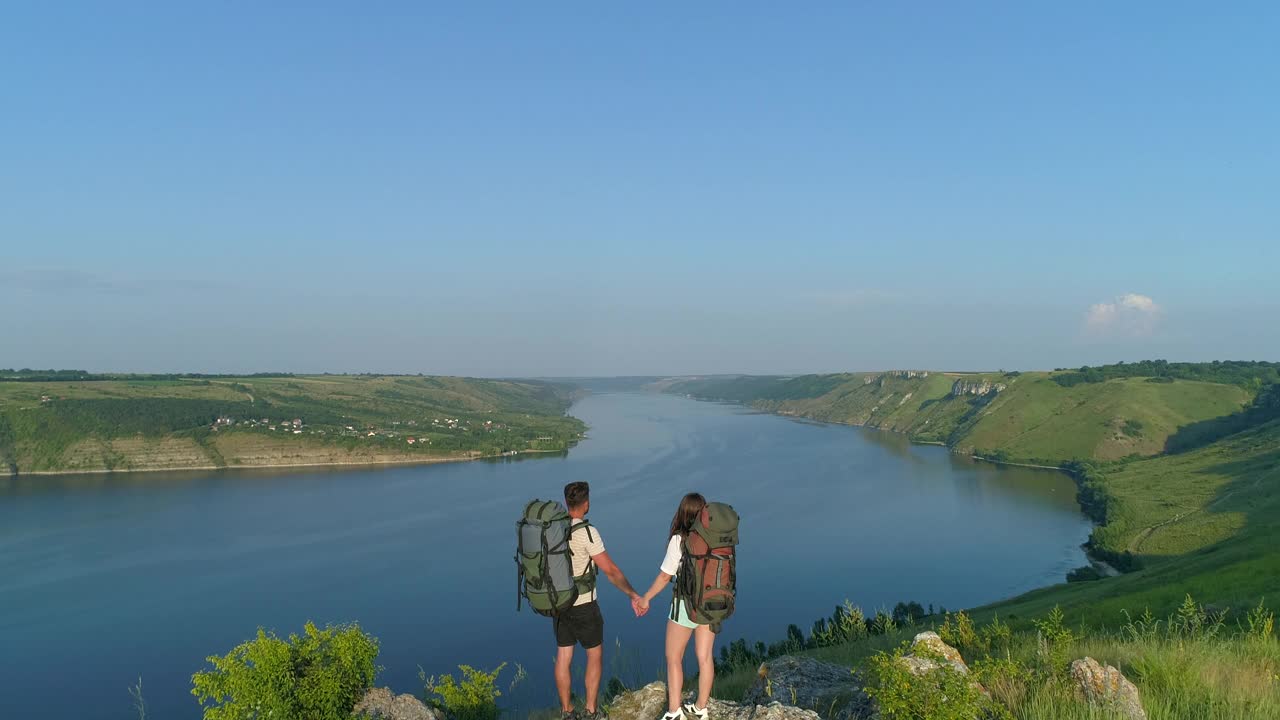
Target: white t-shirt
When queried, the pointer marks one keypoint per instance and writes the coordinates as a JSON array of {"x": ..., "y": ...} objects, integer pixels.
[
  {"x": 671, "y": 562},
  {"x": 584, "y": 548}
]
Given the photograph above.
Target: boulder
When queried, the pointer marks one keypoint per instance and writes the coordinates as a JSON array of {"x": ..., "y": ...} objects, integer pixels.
[
  {"x": 1104, "y": 686},
  {"x": 382, "y": 704},
  {"x": 834, "y": 691},
  {"x": 928, "y": 649},
  {"x": 650, "y": 702}
]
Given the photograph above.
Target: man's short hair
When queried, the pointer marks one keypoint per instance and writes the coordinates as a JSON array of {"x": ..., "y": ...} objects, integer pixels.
[{"x": 576, "y": 494}]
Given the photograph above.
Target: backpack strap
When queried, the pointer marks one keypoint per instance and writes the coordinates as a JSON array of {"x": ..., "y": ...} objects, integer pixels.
[
  {"x": 586, "y": 582},
  {"x": 584, "y": 523}
]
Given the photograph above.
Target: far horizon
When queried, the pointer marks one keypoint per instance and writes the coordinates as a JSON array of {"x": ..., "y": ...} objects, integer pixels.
[{"x": 639, "y": 375}]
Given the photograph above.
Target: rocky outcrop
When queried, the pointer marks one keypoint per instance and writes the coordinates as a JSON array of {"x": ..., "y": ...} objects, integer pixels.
[
  {"x": 650, "y": 702},
  {"x": 834, "y": 691},
  {"x": 986, "y": 387},
  {"x": 382, "y": 704},
  {"x": 929, "y": 652},
  {"x": 1103, "y": 686}
]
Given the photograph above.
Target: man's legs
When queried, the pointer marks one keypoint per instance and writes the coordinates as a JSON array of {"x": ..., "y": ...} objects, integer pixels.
[
  {"x": 564, "y": 661},
  {"x": 595, "y": 668}
]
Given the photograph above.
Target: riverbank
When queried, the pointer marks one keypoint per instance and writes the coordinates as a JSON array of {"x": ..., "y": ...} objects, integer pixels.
[{"x": 354, "y": 465}]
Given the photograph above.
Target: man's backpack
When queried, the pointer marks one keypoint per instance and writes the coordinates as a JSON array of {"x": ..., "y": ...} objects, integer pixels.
[
  {"x": 707, "y": 580},
  {"x": 544, "y": 562}
]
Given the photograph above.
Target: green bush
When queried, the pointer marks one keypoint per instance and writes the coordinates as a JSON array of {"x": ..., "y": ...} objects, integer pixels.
[
  {"x": 319, "y": 675},
  {"x": 941, "y": 694},
  {"x": 475, "y": 697},
  {"x": 1054, "y": 644}
]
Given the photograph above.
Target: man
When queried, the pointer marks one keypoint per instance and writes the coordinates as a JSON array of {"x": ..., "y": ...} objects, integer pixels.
[{"x": 583, "y": 624}]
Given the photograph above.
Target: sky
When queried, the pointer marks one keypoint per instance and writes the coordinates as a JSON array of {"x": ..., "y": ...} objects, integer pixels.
[{"x": 556, "y": 189}]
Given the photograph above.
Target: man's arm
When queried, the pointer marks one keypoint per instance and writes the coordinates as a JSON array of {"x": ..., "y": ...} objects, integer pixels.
[{"x": 614, "y": 573}]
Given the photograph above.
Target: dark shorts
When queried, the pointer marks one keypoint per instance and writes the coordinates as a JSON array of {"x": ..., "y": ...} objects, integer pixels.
[{"x": 580, "y": 624}]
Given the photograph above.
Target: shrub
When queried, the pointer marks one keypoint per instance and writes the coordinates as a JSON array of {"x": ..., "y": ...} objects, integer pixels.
[
  {"x": 941, "y": 694},
  {"x": 1007, "y": 680},
  {"x": 1084, "y": 573},
  {"x": 1261, "y": 623},
  {"x": 475, "y": 697},
  {"x": 1054, "y": 644},
  {"x": 319, "y": 675},
  {"x": 958, "y": 630}
]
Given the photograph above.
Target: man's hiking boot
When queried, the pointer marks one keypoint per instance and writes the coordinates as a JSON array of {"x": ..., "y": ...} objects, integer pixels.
[
  {"x": 677, "y": 715},
  {"x": 570, "y": 714},
  {"x": 599, "y": 714},
  {"x": 693, "y": 713}
]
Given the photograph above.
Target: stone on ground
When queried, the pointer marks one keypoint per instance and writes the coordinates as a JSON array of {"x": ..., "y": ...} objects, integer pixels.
[
  {"x": 833, "y": 691},
  {"x": 382, "y": 704},
  {"x": 650, "y": 702},
  {"x": 1104, "y": 686}
]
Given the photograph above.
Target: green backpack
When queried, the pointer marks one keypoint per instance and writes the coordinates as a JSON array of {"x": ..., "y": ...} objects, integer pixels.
[
  {"x": 707, "y": 581},
  {"x": 544, "y": 562}
]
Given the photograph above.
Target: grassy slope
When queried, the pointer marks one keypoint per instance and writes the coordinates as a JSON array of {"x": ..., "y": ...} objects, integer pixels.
[
  {"x": 151, "y": 424},
  {"x": 1205, "y": 522},
  {"x": 1034, "y": 419}
]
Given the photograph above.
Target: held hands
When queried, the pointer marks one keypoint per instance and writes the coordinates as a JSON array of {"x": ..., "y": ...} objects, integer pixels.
[{"x": 640, "y": 605}]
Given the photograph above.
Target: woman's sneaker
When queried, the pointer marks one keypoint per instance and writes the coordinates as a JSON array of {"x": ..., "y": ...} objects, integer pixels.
[
  {"x": 677, "y": 715},
  {"x": 693, "y": 713}
]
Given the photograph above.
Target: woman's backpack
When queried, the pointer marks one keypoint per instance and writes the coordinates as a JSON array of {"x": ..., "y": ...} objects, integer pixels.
[
  {"x": 707, "y": 580},
  {"x": 544, "y": 563}
]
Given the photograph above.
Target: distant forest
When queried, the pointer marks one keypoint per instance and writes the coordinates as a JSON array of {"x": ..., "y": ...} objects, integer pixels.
[
  {"x": 29, "y": 375},
  {"x": 1245, "y": 373}
]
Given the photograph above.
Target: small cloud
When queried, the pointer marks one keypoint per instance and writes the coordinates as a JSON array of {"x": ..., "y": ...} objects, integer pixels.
[{"x": 1129, "y": 315}]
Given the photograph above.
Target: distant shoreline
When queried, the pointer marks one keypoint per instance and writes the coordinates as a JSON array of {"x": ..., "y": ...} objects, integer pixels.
[{"x": 275, "y": 466}]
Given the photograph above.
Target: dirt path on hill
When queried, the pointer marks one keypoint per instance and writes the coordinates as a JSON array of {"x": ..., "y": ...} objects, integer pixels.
[{"x": 1135, "y": 545}]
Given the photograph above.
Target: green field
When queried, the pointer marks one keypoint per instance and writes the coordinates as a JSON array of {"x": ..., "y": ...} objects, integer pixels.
[{"x": 172, "y": 422}]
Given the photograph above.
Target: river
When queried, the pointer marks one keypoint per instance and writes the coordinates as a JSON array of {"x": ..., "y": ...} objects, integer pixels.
[{"x": 108, "y": 578}]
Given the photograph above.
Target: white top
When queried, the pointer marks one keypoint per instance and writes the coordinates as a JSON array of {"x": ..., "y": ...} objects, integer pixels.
[
  {"x": 583, "y": 548},
  {"x": 671, "y": 562}
]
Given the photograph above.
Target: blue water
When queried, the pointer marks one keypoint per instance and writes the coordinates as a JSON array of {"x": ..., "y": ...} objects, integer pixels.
[{"x": 105, "y": 579}]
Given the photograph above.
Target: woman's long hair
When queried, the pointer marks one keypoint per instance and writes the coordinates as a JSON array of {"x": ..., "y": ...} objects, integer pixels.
[{"x": 687, "y": 514}]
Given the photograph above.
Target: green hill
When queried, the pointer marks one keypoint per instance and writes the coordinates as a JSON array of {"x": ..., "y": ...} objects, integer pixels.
[
  {"x": 1024, "y": 417},
  {"x": 1205, "y": 522},
  {"x": 49, "y": 423}
]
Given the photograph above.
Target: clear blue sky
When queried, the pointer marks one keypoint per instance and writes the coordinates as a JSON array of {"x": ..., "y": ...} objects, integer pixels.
[{"x": 553, "y": 189}]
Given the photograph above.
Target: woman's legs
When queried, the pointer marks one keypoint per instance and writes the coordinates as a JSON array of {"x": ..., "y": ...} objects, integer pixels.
[
  {"x": 677, "y": 641},
  {"x": 704, "y": 645}
]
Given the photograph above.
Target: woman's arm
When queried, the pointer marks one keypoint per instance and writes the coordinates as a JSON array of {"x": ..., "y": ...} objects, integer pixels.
[
  {"x": 659, "y": 583},
  {"x": 670, "y": 563}
]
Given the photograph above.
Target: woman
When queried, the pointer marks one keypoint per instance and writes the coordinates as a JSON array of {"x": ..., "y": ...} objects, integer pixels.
[{"x": 682, "y": 628}]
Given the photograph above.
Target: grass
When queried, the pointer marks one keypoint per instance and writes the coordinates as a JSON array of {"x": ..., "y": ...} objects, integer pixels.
[
  {"x": 1192, "y": 664},
  {"x": 1206, "y": 522}
]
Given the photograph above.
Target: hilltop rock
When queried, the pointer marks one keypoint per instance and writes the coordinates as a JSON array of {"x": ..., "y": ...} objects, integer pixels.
[
  {"x": 927, "y": 647},
  {"x": 1104, "y": 686},
  {"x": 960, "y": 387},
  {"x": 382, "y": 704},
  {"x": 834, "y": 691},
  {"x": 650, "y": 702}
]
